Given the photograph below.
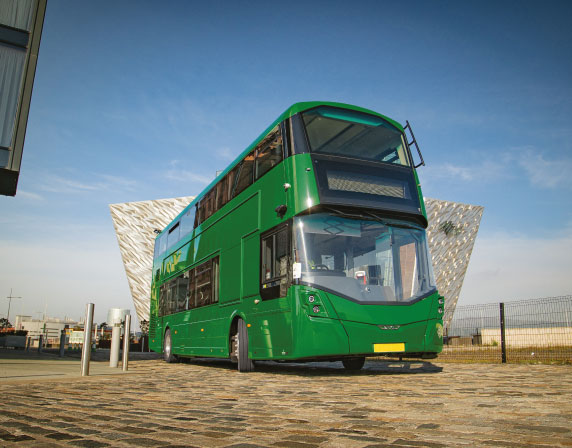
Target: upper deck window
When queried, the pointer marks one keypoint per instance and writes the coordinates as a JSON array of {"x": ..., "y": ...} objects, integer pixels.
[{"x": 354, "y": 134}]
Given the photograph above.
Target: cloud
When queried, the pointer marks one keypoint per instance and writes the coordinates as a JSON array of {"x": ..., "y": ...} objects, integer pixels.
[
  {"x": 29, "y": 195},
  {"x": 61, "y": 275},
  {"x": 536, "y": 167},
  {"x": 545, "y": 173},
  {"x": 101, "y": 182},
  {"x": 225, "y": 153},
  {"x": 508, "y": 267},
  {"x": 181, "y": 175},
  {"x": 484, "y": 171}
]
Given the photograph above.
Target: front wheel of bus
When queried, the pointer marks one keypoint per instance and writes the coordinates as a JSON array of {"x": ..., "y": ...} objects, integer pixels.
[
  {"x": 354, "y": 363},
  {"x": 245, "y": 364},
  {"x": 168, "y": 347}
]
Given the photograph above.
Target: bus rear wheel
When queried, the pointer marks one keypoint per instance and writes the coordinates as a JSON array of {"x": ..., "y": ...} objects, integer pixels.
[
  {"x": 354, "y": 363},
  {"x": 168, "y": 355},
  {"x": 245, "y": 364}
]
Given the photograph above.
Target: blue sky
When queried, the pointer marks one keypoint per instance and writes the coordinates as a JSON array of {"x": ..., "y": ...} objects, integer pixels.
[{"x": 146, "y": 100}]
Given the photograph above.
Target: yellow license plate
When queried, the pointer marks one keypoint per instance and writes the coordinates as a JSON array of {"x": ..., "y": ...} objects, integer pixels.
[{"x": 389, "y": 348}]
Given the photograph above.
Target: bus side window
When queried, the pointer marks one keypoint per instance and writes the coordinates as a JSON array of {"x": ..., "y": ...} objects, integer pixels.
[
  {"x": 229, "y": 186},
  {"x": 269, "y": 155},
  {"x": 274, "y": 264},
  {"x": 172, "y": 296},
  {"x": 163, "y": 243},
  {"x": 192, "y": 287},
  {"x": 215, "y": 282},
  {"x": 203, "y": 279},
  {"x": 162, "y": 299},
  {"x": 182, "y": 287},
  {"x": 187, "y": 222},
  {"x": 219, "y": 189},
  {"x": 197, "y": 215},
  {"x": 156, "y": 250},
  {"x": 245, "y": 176},
  {"x": 211, "y": 202},
  {"x": 173, "y": 235}
]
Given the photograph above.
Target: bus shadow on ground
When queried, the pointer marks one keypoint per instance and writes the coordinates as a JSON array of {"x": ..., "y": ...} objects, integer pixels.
[{"x": 372, "y": 367}]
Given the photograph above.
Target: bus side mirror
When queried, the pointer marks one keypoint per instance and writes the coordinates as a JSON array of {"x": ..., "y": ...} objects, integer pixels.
[{"x": 281, "y": 210}]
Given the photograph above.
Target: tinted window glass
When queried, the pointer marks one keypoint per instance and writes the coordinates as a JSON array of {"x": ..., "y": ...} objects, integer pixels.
[
  {"x": 215, "y": 279},
  {"x": 163, "y": 243},
  {"x": 275, "y": 262},
  {"x": 245, "y": 175},
  {"x": 219, "y": 193},
  {"x": 182, "y": 289},
  {"x": 203, "y": 281},
  {"x": 230, "y": 181},
  {"x": 192, "y": 289},
  {"x": 267, "y": 259},
  {"x": 163, "y": 300},
  {"x": 208, "y": 202},
  {"x": 187, "y": 222},
  {"x": 354, "y": 134},
  {"x": 157, "y": 250},
  {"x": 171, "y": 297},
  {"x": 270, "y": 153},
  {"x": 173, "y": 235}
]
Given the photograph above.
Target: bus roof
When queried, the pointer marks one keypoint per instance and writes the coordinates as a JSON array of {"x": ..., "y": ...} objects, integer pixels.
[{"x": 291, "y": 111}]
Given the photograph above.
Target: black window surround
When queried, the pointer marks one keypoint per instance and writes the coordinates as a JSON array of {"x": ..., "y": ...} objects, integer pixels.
[
  {"x": 387, "y": 177},
  {"x": 275, "y": 279}
]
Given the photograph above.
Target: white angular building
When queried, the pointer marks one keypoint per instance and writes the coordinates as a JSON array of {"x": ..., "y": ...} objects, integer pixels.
[{"x": 451, "y": 235}]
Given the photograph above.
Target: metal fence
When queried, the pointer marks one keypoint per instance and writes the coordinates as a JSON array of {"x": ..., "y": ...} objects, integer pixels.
[{"x": 526, "y": 331}]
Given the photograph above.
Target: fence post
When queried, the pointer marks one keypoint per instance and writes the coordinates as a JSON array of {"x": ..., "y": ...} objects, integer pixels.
[
  {"x": 126, "y": 342},
  {"x": 502, "y": 332},
  {"x": 63, "y": 343},
  {"x": 86, "y": 349}
]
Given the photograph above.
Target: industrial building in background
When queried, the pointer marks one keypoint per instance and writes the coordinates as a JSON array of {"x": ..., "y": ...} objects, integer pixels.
[
  {"x": 451, "y": 235},
  {"x": 21, "y": 23}
]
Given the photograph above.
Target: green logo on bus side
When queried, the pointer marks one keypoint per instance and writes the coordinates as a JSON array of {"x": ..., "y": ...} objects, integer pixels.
[{"x": 171, "y": 262}]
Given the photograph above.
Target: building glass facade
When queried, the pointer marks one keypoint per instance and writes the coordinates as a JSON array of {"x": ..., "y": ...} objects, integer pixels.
[{"x": 21, "y": 23}]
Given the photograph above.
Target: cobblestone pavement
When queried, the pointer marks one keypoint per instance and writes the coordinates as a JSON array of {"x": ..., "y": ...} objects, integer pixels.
[{"x": 208, "y": 403}]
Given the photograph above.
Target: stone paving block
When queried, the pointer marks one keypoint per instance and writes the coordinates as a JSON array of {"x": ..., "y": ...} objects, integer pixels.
[
  {"x": 86, "y": 443},
  {"x": 296, "y": 406}
]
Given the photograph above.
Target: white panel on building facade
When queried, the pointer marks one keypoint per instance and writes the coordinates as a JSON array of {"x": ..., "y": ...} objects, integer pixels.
[
  {"x": 451, "y": 235},
  {"x": 135, "y": 224}
]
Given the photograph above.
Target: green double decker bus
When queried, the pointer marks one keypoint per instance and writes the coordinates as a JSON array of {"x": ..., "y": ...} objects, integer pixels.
[{"x": 311, "y": 245}]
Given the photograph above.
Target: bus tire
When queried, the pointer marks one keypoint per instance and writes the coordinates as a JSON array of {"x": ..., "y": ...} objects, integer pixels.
[
  {"x": 354, "y": 363},
  {"x": 245, "y": 364},
  {"x": 168, "y": 355}
]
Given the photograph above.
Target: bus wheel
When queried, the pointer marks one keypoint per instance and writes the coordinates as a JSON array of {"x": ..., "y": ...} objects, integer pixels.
[
  {"x": 354, "y": 363},
  {"x": 244, "y": 363},
  {"x": 168, "y": 347}
]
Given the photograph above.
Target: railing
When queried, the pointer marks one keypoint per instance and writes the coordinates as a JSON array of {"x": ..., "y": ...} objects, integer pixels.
[{"x": 526, "y": 331}]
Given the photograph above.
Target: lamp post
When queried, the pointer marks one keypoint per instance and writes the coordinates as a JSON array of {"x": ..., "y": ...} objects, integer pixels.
[{"x": 10, "y": 297}]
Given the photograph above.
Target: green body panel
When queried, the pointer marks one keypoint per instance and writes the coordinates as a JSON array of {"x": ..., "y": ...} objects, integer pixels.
[
  {"x": 287, "y": 327},
  {"x": 346, "y": 327}
]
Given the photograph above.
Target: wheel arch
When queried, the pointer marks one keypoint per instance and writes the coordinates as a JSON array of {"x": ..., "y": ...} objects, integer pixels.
[{"x": 233, "y": 326}]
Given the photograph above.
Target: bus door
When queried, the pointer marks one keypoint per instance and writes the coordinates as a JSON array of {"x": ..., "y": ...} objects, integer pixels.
[{"x": 271, "y": 333}]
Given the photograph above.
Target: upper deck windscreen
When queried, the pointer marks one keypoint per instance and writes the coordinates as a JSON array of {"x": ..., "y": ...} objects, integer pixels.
[{"x": 355, "y": 134}]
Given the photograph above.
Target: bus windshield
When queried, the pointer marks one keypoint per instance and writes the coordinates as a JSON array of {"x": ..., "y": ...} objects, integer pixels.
[
  {"x": 349, "y": 133},
  {"x": 363, "y": 260}
]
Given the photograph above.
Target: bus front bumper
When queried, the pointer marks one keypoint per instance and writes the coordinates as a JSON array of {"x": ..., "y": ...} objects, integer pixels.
[{"x": 414, "y": 339}]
